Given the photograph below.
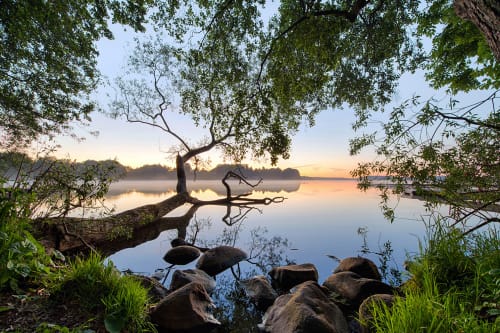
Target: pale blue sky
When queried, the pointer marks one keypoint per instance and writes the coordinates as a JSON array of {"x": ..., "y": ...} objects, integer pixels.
[{"x": 322, "y": 150}]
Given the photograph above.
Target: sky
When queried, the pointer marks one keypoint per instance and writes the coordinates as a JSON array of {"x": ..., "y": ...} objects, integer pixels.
[{"x": 319, "y": 151}]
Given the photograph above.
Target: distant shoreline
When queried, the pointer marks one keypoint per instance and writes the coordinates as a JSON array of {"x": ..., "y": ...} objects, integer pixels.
[{"x": 302, "y": 178}]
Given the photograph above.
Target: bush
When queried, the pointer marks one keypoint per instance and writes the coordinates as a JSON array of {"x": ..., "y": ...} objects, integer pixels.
[
  {"x": 22, "y": 258},
  {"x": 455, "y": 286}
]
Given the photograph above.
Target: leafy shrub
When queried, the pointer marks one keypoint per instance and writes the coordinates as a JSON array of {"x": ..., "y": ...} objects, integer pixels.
[
  {"x": 455, "y": 286},
  {"x": 22, "y": 257}
]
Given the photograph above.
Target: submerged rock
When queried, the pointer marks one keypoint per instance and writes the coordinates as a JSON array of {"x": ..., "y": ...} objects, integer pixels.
[
  {"x": 182, "y": 277},
  {"x": 260, "y": 292},
  {"x": 354, "y": 289},
  {"x": 361, "y": 266},
  {"x": 181, "y": 255},
  {"x": 307, "y": 310},
  {"x": 218, "y": 259},
  {"x": 287, "y": 277},
  {"x": 186, "y": 309}
]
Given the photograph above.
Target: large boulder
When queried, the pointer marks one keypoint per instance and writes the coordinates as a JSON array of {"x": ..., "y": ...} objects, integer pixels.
[
  {"x": 307, "y": 310},
  {"x": 287, "y": 277},
  {"x": 181, "y": 255},
  {"x": 218, "y": 259},
  {"x": 365, "y": 310},
  {"x": 182, "y": 277},
  {"x": 260, "y": 292},
  {"x": 354, "y": 289},
  {"x": 361, "y": 266},
  {"x": 186, "y": 309}
]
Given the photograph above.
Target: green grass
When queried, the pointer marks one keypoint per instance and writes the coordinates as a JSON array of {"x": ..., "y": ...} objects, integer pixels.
[
  {"x": 100, "y": 288},
  {"x": 455, "y": 286}
]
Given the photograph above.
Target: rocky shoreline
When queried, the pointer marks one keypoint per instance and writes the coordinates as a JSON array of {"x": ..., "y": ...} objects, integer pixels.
[{"x": 291, "y": 298}]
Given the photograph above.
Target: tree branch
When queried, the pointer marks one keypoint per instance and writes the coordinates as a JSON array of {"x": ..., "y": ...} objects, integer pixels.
[
  {"x": 480, "y": 225},
  {"x": 468, "y": 120}
]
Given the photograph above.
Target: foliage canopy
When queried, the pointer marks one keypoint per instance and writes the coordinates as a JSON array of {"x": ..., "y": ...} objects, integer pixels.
[
  {"x": 48, "y": 61},
  {"x": 313, "y": 55}
]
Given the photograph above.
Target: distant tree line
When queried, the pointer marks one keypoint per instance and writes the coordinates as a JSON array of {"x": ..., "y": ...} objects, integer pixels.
[
  {"x": 163, "y": 172},
  {"x": 13, "y": 164},
  {"x": 16, "y": 164}
]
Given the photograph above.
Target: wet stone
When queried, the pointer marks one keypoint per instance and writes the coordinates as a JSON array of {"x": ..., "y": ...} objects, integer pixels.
[
  {"x": 181, "y": 255},
  {"x": 186, "y": 310},
  {"x": 218, "y": 259},
  {"x": 354, "y": 289},
  {"x": 286, "y": 277},
  {"x": 260, "y": 292},
  {"x": 182, "y": 277},
  {"x": 361, "y": 266},
  {"x": 308, "y": 309}
]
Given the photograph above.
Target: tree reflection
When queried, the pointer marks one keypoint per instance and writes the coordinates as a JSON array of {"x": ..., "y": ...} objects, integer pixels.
[{"x": 234, "y": 310}]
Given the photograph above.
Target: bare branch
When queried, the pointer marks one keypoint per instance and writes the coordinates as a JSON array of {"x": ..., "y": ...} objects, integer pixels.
[
  {"x": 469, "y": 121},
  {"x": 480, "y": 225}
]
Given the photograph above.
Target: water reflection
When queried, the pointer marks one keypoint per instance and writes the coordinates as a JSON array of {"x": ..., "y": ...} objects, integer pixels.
[
  {"x": 234, "y": 309},
  {"x": 318, "y": 222},
  {"x": 167, "y": 187},
  {"x": 319, "y": 219}
]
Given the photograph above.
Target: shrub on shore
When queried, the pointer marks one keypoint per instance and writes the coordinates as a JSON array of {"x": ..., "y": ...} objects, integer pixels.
[{"x": 455, "y": 286}]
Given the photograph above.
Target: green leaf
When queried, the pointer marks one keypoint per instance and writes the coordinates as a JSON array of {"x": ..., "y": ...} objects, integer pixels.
[
  {"x": 114, "y": 324},
  {"x": 22, "y": 269}
]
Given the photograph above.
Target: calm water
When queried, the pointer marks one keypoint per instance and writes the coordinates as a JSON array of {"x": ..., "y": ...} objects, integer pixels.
[{"x": 318, "y": 219}]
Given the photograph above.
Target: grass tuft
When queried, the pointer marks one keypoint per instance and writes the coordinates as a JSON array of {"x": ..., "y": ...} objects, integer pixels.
[
  {"x": 455, "y": 286},
  {"x": 101, "y": 288}
]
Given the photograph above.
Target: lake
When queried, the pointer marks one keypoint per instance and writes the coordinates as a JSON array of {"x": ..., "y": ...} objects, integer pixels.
[{"x": 318, "y": 221}]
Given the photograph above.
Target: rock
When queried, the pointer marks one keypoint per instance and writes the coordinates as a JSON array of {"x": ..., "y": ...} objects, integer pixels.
[
  {"x": 361, "y": 266},
  {"x": 186, "y": 309},
  {"x": 354, "y": 289},
  {"x": 218, "y": 259},
  {"x": 181, "y": 255},
  {"x": 286, "y": 277},
  {"x": 156, "y": 290},
  {"x": 182, "y": 277},
  {"x": 365, "y": 315},
  {"x": 260, "y": 292},
  {"x": 308, "y": 309}
]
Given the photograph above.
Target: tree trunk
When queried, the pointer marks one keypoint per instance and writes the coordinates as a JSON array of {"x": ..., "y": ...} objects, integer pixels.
[
  {"x": 485, "y": 14},
  {"x": 71, "y": 234},
  {"x": 181, "y": 175}
]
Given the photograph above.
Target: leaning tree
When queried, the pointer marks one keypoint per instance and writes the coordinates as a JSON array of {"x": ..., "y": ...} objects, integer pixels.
[
  {"x": 220, "y": 96},
  {"x": 250, "y": 79},
  {"x": 216, "y": 90},
  {"x": 332, "y": 54}
]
